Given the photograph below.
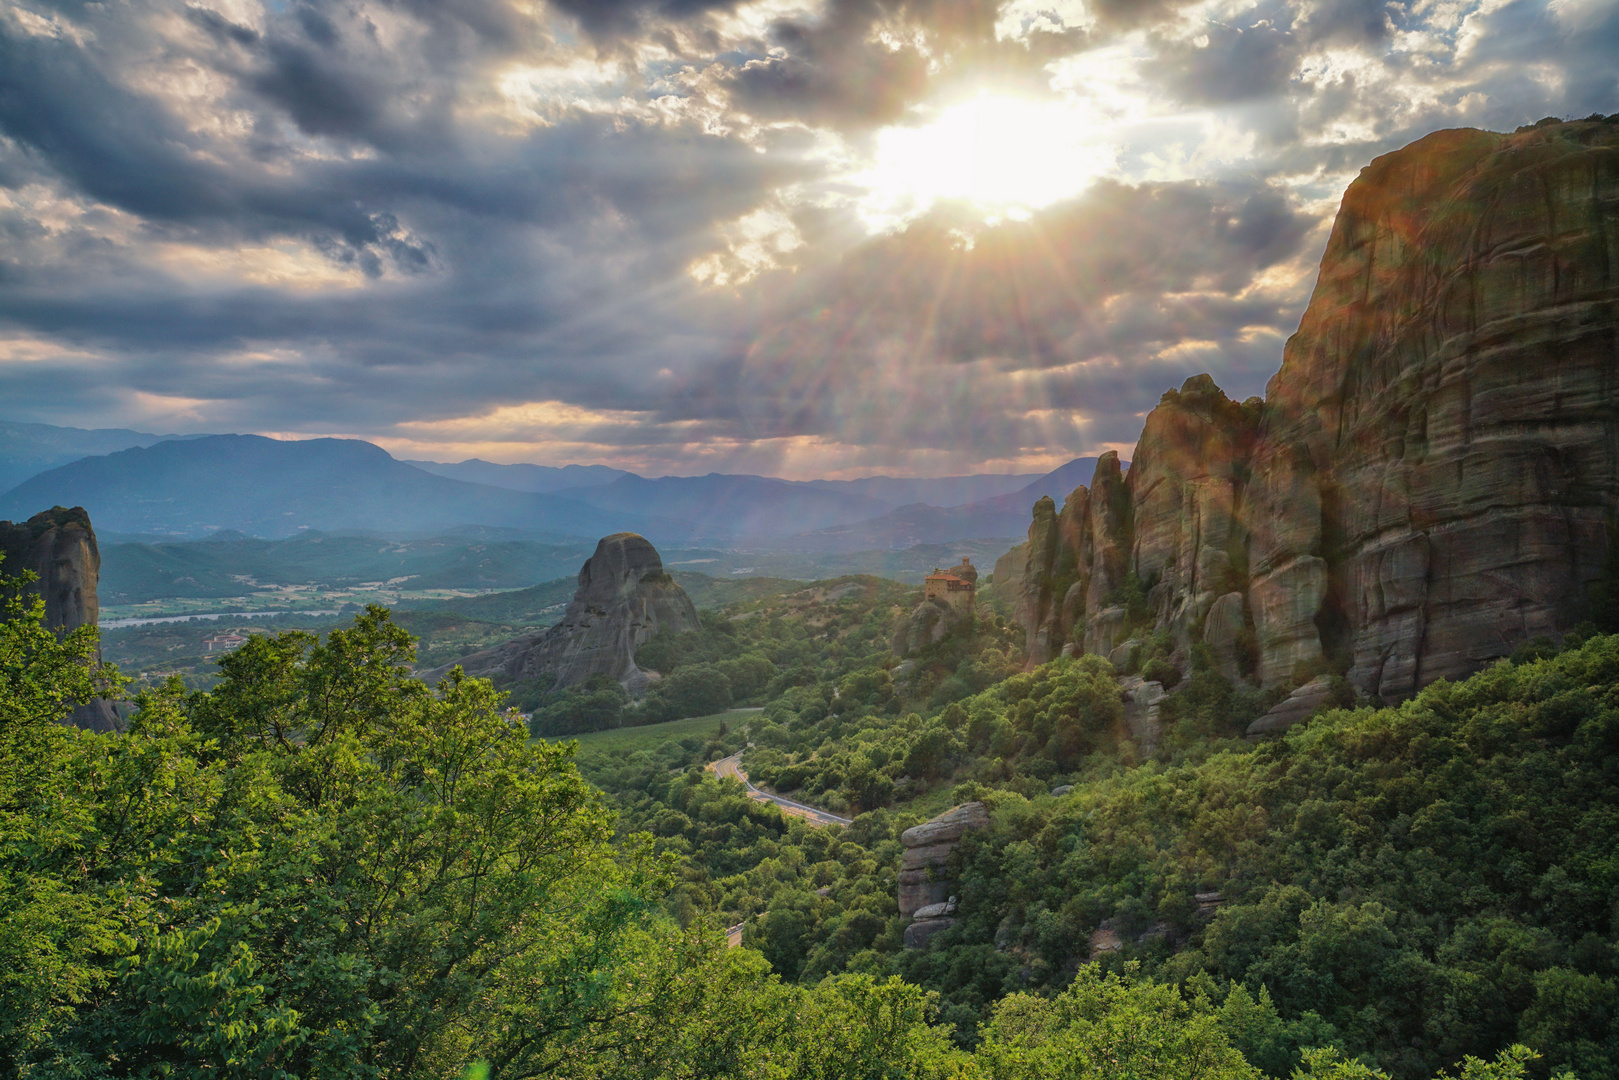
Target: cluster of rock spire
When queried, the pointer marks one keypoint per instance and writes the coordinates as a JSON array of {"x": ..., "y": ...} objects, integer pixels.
[{"x": 1432, "y": 478}]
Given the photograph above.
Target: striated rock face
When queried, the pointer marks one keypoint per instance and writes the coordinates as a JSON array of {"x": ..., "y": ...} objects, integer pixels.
[
  {"x": 1439, "y": 457},
  {"x": 59, "y": 545},
  {"x": 1036, "y": 597},
  {"x": 927, "y": 849},
  {"x": 624, "y": 598},
  {"x": 1434, "y": 473},
  {"x": 1102, "y": 560},
  {"x": 1186, "y": 487}
]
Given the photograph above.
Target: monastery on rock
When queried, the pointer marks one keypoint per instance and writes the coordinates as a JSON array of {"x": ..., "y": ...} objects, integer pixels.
[{"x": 957, "y": 586}]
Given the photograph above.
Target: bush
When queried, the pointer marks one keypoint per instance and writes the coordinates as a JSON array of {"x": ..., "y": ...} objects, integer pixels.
[{"x": 1162, "y": 671}]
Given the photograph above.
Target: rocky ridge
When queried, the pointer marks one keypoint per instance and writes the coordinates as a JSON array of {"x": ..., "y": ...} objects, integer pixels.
[
  {"x": 624, "y": 598},
  {"x": 1432, "y": 478}
]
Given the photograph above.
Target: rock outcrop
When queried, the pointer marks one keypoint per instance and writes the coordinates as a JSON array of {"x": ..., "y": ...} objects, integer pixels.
[
  {"x": 624, "y": 598},
  {"x": 59, "y": 546},
  {"x": 1433, "y": 476},
  {"x": 924, "y": 888},
  {"x": 929, "y": 623},
  {"x": 1298, "y": 706}
]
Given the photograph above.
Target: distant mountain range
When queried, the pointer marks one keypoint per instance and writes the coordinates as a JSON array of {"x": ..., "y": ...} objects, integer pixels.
[
  {"x": 536, "y": 478},
  {"x": 718, "y": 506},
  {"x": 275, "y": 488},
  {"x": 899, "y": 491},
  {"x": 153, "y": 487},
  {"x": 29, "y": 449},
  {"x": 1001, "y": 515}
]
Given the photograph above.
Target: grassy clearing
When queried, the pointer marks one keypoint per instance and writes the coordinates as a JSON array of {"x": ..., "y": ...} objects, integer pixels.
[{"x": 651, "y": 736}]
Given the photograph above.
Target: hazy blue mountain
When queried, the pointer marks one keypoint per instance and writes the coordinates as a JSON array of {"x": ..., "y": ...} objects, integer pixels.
[
  {"x": 535, "y": 478},
  {"x": 272, "y": 488},
  {"x": 1000, "y": 516},
  {"x": 217, "y": 565},
  {"x": 899, "y": 491},
  {"x": 28, "y": 449},
  {"x": 734, "y": 508}
]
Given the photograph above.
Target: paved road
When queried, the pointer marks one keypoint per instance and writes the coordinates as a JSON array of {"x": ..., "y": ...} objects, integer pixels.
[{"x": 732, "y": 767}]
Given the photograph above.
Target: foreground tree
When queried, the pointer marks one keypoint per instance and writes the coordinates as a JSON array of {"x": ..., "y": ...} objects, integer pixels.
[{"x": 321, "y": 869}]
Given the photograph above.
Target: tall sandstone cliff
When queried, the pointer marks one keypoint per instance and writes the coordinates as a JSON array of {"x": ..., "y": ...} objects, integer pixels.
[
  {"x": 1433, "y": 476},
  {"x": 624, "y": 598},
  {"x": 59, "y": 547}
]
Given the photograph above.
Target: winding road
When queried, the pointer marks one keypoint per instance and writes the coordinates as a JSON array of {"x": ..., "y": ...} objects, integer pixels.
[{"x": 732, "y": 767}]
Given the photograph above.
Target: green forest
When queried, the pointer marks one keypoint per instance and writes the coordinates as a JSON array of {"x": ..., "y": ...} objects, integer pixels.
[{"x": 323, "y": 867}]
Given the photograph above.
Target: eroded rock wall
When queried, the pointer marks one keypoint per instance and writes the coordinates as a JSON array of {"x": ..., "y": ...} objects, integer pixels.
[{"x": 1433, "y": 476}]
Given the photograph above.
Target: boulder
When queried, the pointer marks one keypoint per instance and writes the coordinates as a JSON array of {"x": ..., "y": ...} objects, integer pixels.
[
  {"x": 624, "y": 598},
  {"x": 1143, "y": 706},
  {"x": 927, "y": 849},
  {"x": 1298, "y": 706},
  {"x": 1105, "y": 939},
  {"x": 1109, "y": 534},
  {"x": 1437, "y": 459},
  {"x": 918, "y": 933},
  {"x": 1222, "y": 633},
  {"x": 1119, "y": 655},
  {"x": 1105, "y": 630},
  {"x": 1186, "y": 486},
  {"x": 1007, "y": 580}
]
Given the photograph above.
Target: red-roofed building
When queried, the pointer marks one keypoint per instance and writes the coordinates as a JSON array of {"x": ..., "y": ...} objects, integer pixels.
[{"x": 957, "y": 586}]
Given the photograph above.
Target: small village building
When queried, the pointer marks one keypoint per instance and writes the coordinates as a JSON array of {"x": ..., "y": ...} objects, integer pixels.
[
  {"x": 224, "y": 642},
  {"x": 957, "y": 586}
]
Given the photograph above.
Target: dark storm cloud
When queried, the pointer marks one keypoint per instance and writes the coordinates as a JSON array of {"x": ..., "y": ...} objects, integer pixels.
[
  {"x": 1235, "y": 63},
  {"x": 1355, "y": 22},
  {"x": 612, "y": 19},
  {"x": 510, "y": 266},
  {"x": 1581, "y": 46},
  {"x": 865, "y": 62},
  {"x": 1257, "y": 52}
]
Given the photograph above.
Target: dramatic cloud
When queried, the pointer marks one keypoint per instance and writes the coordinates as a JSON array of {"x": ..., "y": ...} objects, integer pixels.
[{"x": 796, "y": 236}]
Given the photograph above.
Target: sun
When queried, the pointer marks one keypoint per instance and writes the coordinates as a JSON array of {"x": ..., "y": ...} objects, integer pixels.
[{"x": 1006, "y": 156}]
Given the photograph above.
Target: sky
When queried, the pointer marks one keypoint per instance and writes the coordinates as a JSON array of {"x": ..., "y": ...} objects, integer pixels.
[{"x": 791, "y": 237}]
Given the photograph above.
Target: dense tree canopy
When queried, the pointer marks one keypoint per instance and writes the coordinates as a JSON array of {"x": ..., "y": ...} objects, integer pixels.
[{"x": 325, "y": 868}]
